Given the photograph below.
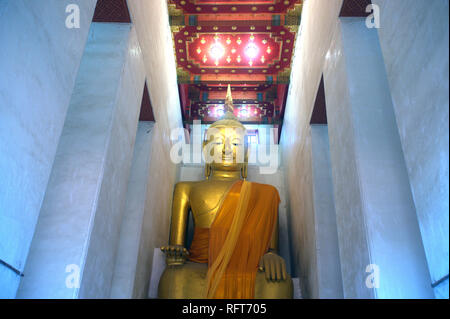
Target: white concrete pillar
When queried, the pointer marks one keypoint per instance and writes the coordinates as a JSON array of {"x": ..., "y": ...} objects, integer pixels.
[
  {"x": 329, "y": 280},
  {"x": 39, "y": 60},
  {"x": 376, "y": 217},
  {"x": 124, "y": 283},
  {"x": 414, "y": 38},
  {"x": 79, "y": 223}
]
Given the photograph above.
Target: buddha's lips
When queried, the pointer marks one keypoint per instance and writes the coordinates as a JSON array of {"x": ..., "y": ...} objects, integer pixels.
[{"x": 228, "y": 159}]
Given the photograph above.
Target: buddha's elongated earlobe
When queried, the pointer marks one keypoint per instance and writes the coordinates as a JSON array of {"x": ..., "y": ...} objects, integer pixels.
[
  {"x": 207, "y": 170},
  {"x": 244, "y": 168}
]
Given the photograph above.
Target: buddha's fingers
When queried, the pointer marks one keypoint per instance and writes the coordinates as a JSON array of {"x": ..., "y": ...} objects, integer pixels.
[
  {"x": 266, "y": 268},
  {"x": 278, "y": 270},
  {"x": 272, "y": 270},
  {"x": 283, "y": 269}
]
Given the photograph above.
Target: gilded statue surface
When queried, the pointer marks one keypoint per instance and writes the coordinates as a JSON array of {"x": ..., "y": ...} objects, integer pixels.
[{"x": 234, "y": 250}]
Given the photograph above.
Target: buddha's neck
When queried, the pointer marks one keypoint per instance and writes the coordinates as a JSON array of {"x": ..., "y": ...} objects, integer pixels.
[{"x": 225, "y": 175}]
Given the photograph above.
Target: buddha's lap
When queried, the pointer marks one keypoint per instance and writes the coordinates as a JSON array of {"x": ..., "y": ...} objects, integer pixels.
[{"x": 189, "y": 280}]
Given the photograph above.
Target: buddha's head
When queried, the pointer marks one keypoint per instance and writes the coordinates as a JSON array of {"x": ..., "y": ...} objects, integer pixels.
[{"x": 225, "y": 147}]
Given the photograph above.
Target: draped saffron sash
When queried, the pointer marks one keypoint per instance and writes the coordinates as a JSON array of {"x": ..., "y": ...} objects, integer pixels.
[{"x": 239, "y": 236}]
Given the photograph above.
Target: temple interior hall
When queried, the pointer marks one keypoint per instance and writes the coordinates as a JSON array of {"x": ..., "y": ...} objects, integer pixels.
[{"x": 346, "y": 109}]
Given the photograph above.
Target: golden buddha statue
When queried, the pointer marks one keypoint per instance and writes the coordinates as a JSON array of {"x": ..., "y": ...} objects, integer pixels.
[{"x": 234, "y": 248}]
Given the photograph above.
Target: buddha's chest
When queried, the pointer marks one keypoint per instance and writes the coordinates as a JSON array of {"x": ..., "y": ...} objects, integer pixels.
[{"x": 205, "y": 198}]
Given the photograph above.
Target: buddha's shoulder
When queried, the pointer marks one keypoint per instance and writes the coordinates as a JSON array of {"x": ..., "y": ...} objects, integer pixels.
[
  {"x": 265, "y": 187},
  {"x": 188, "y": 185}
]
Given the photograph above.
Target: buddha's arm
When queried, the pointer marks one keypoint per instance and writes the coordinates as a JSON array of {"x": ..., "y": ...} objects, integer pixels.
[
  {"x": 180, "y": 208},
  {"x": 273, "y": 246},
  {"x": 176, "y": 252},
  {"x": 271, "y": 263}
]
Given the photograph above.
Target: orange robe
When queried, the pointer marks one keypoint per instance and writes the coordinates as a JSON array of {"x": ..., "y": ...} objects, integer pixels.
[{"x": 239, "y": 236}]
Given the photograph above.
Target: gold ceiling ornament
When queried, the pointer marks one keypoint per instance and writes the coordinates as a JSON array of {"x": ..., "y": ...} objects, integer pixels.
[
  {"x": 174, "y": 11},
  {"x": 296, "y": 10},
  {"x": 284, "y": 76},
  {"x": 293, "y": 16},
  {"x": 292, "y": 28},
  {"x": 183, "y": 75},
  {"x": 176, "y": 28}
]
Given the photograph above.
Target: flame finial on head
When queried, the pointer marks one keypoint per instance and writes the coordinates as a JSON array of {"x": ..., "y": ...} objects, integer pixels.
[
  {"x": 229, "y": 101},
  {"x": 228, "y": 118}
]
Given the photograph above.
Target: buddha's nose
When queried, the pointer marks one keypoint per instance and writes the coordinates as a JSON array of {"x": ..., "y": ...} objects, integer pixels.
[{"x": 227, "y": 150}]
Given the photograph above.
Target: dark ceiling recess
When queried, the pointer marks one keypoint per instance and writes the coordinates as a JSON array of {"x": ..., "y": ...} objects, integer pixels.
[
  {"x": 355, "y": 8},
  {"x": 146, "y": 107},
  {"x": 112, "y": 11},
  {"x": 319, "y": 115}
]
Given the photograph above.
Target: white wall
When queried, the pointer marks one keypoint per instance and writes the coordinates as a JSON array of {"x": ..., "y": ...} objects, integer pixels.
[
  {"x": 127, "y": 258},
  {"x": 318, "y": 22},
  {"x": 414, "y": 43},
  {"x": 39, "y": 59},
  {"x": 82, "y": 209},
  {"x": 414, "y": 39},
  {"x": 327, "y": 247},
  {"x": 375, "y": 213},
  {"x": 152, "y": 26}
]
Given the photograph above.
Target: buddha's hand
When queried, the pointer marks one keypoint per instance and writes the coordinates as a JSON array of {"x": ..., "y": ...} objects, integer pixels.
[
  {"x": 274, "y": 266},
  {"x": 175, "y": 254}
]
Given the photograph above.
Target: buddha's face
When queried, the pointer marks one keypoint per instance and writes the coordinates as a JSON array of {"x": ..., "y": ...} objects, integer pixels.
[{"x": 226, "y": 147}]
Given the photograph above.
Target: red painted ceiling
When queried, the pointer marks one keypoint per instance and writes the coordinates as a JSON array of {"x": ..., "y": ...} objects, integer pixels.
[
  {"x": 248, "y": 44},
  {"x": 260, "y": 88}
]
